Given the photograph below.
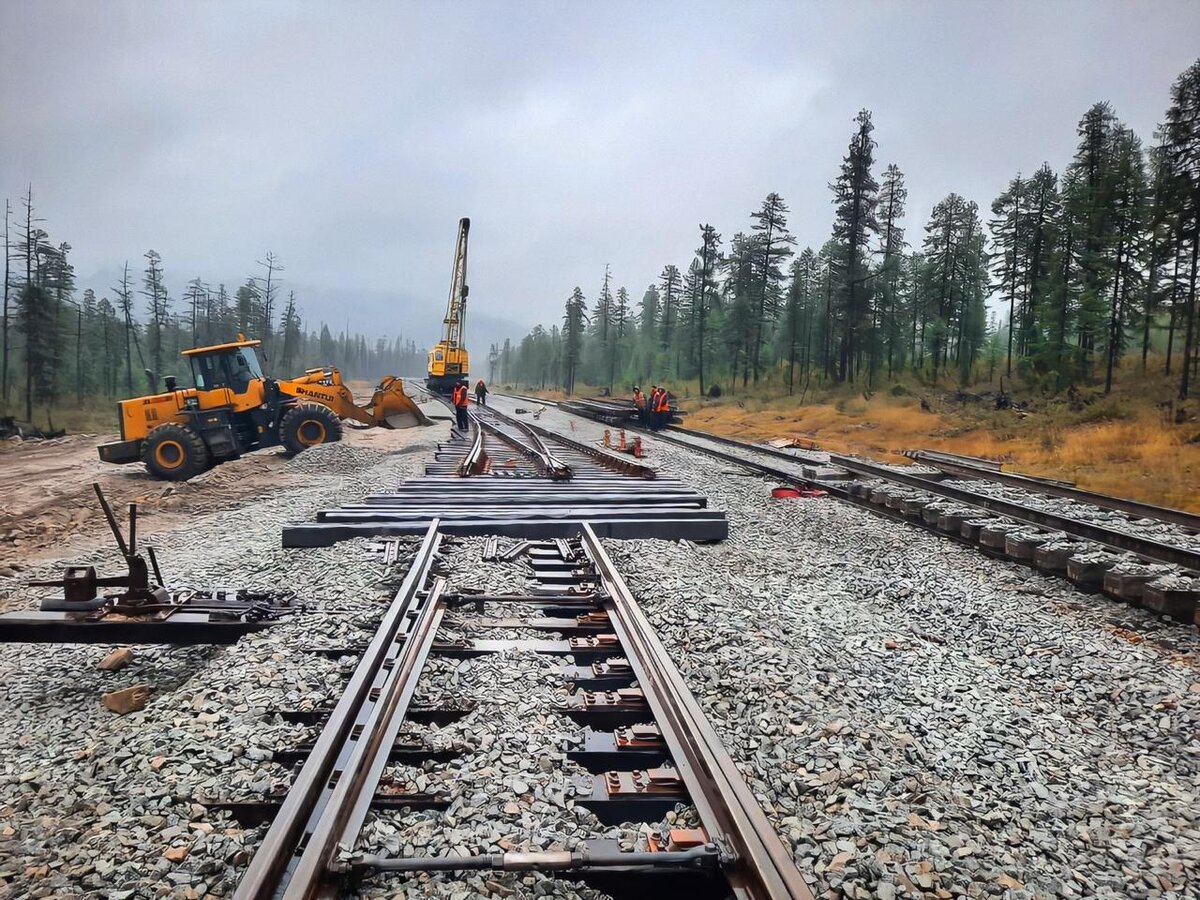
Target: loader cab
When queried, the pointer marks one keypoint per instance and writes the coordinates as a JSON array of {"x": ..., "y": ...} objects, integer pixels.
[{"x": 234, "y": 366}]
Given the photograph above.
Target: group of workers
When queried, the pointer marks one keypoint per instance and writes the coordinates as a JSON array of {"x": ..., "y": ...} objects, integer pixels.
[
  {"x": 461, "y": 401},
  {"x": 654, "y": 410}
]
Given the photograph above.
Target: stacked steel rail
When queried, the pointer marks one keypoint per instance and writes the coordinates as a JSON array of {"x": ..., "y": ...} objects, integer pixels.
[
  {"x": 517, "y": 479},
  {"x": 734, "y": 853}
]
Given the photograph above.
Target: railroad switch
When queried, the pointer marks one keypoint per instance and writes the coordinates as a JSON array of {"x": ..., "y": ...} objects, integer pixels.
[
  {"x": 640, "y": 782},
  {"x": 638, "y": 737}
]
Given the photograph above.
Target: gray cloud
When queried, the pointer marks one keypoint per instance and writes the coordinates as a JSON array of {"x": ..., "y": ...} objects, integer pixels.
[{"x": 349, "y": 138}]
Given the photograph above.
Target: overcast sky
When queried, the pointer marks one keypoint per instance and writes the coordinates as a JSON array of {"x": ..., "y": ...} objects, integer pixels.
[{"x": 350, "y": 137}]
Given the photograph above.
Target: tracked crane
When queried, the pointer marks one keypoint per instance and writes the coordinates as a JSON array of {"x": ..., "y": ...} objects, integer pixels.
[{"x": 448, "y": 360}]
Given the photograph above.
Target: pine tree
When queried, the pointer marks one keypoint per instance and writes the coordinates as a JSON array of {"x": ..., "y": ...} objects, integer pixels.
[
  {"x": 1091, "y": 206},
  {"x": 573, "y": 326},
  {"x": 769, "y": 250},
  {"x": 1009, "y": 261},
  {"x": 156, "y": 293},
  {"x": 1182, "y": 130},
  {"x": 892, "y": 197},
  {"x": 1041, "y": 227},
  {"x": 855, "y": 197},
  {"x": 291, "y": 332},
  {"x": 1128, "y": 215},
  {"x": 671, "y": 282},
  {"x": 709, "y": 254}
]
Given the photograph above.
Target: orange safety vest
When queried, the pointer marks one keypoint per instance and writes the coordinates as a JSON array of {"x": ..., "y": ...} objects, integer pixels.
[
  {"x": 460, "y": 395},
  {"x": 639, "y": 399},
  {"x": 662, "y": 405}
]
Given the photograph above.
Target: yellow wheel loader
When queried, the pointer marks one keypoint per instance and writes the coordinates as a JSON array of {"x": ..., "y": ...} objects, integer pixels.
[{"x": 234, "y": 409}]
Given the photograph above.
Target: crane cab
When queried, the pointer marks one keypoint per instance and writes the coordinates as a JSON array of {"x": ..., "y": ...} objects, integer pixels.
[{"x": 447, "y": 367}]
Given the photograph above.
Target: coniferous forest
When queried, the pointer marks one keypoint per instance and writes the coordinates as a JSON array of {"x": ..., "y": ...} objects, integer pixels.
[
  {"x": 1067, "y": 278},
  {"x": 61, "y": 346}
]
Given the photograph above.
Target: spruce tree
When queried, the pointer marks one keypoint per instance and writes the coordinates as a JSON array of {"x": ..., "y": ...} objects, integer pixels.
[
  {"x": 770, "y": 248},
  {"x": 855, "y": 197}
]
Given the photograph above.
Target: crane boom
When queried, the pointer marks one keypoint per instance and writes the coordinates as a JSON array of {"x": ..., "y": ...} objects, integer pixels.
[
  {"x": 456, "y": 306},
  {"x": 448, "y": 362}
]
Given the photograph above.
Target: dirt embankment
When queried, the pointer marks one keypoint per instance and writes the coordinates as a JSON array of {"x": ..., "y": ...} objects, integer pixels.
[{"x": 46, "y": 495}]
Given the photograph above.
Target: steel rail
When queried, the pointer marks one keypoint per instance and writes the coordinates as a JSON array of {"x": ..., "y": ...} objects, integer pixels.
[
  {"x": 536, "y": 451},
  {"x": 555, "y": 467},
  {"x": 475, "y": 460},
  {"x": 759, "y": 866},
  {"x": 1114, "y": 539},
  {"x": 1109, "y": 537},
  {"x": 607, "y": 460},
  {"x": 273, "y": 867},
  {"x": 342, "y": 818},
  {"x": 1036, "y": 484}
]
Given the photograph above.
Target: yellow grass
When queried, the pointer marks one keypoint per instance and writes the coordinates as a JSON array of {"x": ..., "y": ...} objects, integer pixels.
[{"x": 1143, "y": 455}]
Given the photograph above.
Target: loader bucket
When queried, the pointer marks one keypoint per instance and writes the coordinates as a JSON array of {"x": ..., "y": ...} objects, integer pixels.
[{"x": 394, "y": 408}]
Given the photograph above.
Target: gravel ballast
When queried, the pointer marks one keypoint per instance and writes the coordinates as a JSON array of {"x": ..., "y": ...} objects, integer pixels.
[
  {"x": 919, "y": 719},
  {"x": 95, "y": 804}
]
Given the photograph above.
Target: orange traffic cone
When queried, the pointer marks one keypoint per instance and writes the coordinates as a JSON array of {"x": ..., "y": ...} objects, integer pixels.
[
  {"x": 607, "y": 438},
  {"x": 622, "y": 445}
]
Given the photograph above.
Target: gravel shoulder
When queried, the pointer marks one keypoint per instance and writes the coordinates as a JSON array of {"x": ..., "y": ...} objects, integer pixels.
[
  {"x": 919, "y": 719},
  {"x": 94, "y": 804}
]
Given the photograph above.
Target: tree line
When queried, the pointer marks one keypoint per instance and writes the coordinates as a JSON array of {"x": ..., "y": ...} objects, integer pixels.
[
  {"x": 1082, "y": 268},
  {"x": 59, "y": 346}
]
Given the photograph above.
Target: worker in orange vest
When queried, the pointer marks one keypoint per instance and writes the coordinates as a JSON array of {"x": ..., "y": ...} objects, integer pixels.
[
  {"x": 639, "y": 400},
  {"x": 662, "y": 409},
  {"x": 459, "y": 396},
  {"x": 481, "y": 392}
]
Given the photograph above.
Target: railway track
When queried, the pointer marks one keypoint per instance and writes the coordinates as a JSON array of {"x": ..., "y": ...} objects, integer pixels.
[
  {"x": 517, "y": 479},
  {"x": 1133, "y": 551},
  {"x": 644, "y": 748}
]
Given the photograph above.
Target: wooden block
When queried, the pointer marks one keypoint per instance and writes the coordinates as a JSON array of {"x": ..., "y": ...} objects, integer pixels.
[
  {"x": 1020, "y": 545},
  {"x": 1087, "y": 570},
  {"x": 1054, "y": 558},
  {"x": 128, "y": 700},
  {"x": 1176, "y": 602},
  {"x": 117, "y": 660},
  {"x": 951, "y": 522}
]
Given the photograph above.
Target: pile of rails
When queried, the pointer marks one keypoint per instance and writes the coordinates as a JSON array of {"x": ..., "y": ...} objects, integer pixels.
[
  {"x": 515, "y": 479},
  {"x": 618, "y": 413}
]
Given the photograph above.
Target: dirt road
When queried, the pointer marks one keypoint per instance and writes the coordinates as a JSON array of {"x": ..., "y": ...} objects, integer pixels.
[{"x": 48, "y": 507}]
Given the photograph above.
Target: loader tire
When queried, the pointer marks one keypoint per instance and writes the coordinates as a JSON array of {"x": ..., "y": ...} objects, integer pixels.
[
  {"x": 174, "y": 452},
  {"x": 307, "y": 425}
]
